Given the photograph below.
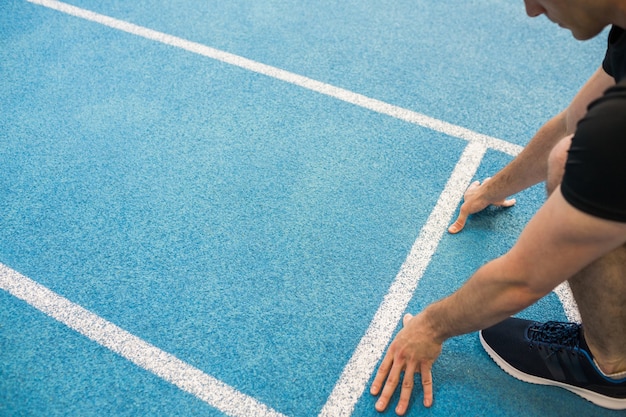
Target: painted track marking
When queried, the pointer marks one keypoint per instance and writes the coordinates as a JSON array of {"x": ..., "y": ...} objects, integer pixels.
[
  {"x": 289, "y": 77},
  {"x": 360, "y": 367},
  {"x": 141, "y": 353}
]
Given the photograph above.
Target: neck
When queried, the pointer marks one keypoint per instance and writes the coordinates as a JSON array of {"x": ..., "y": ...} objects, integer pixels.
[{"x": 617, "y": 13}]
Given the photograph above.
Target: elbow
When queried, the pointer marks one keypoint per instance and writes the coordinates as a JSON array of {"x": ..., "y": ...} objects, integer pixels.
[
  {"x": 521, "y": 286},
  {"x": 521, "y": 297},
  {"x": 571, "y": 116}
]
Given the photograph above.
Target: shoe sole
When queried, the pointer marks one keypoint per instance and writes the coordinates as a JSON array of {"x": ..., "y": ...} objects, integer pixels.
[{"x": 594, "y": 397}]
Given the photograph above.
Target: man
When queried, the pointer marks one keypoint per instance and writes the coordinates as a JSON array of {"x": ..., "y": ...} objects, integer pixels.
[{"x": 578, "y": 235}]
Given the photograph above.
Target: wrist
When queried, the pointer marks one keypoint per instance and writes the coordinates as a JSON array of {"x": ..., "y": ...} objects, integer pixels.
[
  {"x": 489, "y": 193},
  {"x": 432, "y": 324}
]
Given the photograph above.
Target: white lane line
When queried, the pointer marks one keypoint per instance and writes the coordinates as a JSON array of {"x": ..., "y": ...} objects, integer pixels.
[
  {"x": 361, "y": 366},
  {"x": 566, "y": 297},
  {"x": 299, "y": 80},
  {"x": 186, "y": 377}
]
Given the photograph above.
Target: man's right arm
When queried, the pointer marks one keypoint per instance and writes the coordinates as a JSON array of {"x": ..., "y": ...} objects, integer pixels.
[{"x": 530, "y": 167}]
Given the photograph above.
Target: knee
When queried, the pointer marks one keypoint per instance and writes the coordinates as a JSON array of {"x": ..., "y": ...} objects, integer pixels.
[{"x": 556, "y": 164}]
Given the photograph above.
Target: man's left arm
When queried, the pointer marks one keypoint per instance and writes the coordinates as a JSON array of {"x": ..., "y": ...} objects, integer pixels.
[{"x": 559, "y": 241}]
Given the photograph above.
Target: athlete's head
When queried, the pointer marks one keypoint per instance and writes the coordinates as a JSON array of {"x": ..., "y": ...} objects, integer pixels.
[{"x": 584, "y": 18}]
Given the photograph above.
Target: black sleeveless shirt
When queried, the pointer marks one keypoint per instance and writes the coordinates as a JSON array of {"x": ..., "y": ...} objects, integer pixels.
[
  {"x": 595, "y": 172},
  {"x": 615, "y": 59}
]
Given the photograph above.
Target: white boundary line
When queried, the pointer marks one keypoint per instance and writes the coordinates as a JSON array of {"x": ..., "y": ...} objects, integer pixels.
[
  {"x": 164, "y": 365},
  {"x": 360, "y": 368},
  {"x": 566, "y": 297},
  {"x": 289, "y": 77}
]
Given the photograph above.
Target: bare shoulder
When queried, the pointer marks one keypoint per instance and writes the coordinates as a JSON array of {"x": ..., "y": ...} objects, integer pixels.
[{"x": 592, "y": 90}]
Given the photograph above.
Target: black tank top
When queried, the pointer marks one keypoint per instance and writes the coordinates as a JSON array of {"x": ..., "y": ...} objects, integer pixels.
[{"x": 615, "y": 59}]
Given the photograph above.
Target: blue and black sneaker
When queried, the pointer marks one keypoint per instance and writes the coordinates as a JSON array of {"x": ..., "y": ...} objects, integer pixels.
[{"x": 552, "y": 353}]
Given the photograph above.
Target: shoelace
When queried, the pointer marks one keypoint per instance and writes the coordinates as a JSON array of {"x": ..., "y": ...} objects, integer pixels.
[{"x": 556, "y": 335}]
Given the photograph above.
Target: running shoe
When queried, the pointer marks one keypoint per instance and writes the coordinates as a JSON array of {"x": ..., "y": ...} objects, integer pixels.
[{"x": 552, "y": 353}]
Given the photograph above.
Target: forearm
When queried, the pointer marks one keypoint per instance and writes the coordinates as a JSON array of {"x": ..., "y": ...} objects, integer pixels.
[
  {"x": 530, "y": 167},
  {"x": 491, "y": 295}
]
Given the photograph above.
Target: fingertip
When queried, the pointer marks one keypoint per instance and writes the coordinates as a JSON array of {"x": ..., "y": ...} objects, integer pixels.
[
  {"x": 428, "y": 399},
  {"x": 406, "y": 319},
  {"x": 454, "y": 229},
  {"x": 380, "y": 405},
  {"x": 402, "y": 407},
  {"x": 507, "y": 203}
]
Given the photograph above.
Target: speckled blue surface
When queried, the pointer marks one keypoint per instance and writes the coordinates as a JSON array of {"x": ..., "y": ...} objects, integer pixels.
[{"x": 247, "y": 226}]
